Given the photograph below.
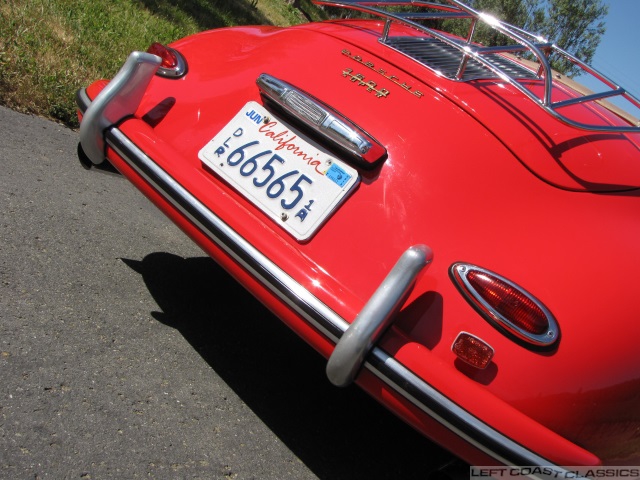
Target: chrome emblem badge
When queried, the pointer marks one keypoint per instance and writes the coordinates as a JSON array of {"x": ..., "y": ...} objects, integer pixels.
[
  {"x": 380, "y": 71},
  {"x": 360, "y": 80}
]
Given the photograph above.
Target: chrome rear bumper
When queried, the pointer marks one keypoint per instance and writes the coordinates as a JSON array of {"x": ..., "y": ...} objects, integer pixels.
[{"x": 306, "y": 305}]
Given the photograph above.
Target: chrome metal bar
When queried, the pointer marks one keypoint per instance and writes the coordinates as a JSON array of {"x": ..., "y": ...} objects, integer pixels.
[
  {"x": 463, "y": 65},
  {"x": 386, "y": 30},
  {"x": 376, "y": 316},
  {"x": 368, "y": 7},
  {"x": 506, "y": 49},
  {"x": 472, "y": 29},
  {"x": 434, "y": 16},
  {"x": 436, "y": 6},
  {"x": 534, "y": 44},
  {"x": 117, "y": 100},
  {"x": 590, "y": 98},
  {"x": 519, "y": 36},
  {"x": 598, "y": 75},
  {"x": 82, "y": 100}
]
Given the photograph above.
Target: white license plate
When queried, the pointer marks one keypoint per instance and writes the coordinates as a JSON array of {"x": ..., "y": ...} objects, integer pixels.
[{"x": 291, "y": 180}]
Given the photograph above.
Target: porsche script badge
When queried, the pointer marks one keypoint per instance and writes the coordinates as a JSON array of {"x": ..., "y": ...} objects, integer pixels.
[{"x": 371, "y": 85}]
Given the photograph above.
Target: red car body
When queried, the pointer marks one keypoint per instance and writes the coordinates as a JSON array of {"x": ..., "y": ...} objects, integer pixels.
[{"x": 541, "y": 200}]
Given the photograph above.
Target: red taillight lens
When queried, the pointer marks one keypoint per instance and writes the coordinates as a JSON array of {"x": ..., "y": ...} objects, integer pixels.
[
  {"x": 173, "y": 64},
  {"x": 509, "y": 302},
  {"x": 472, "y": 350},
  {"x": 506, "y": 305},
  {"x": 169, "y": 59}
]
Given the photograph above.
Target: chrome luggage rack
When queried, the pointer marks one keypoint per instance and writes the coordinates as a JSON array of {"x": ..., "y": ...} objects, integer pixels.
[{"x": 462, "y": 60}]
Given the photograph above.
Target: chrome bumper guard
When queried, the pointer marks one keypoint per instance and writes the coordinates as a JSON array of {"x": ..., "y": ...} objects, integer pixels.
[
  {"x": 115, "y": 102},
  {"x": 356, "y": 341},
  {"x": 364, "y": 332}
]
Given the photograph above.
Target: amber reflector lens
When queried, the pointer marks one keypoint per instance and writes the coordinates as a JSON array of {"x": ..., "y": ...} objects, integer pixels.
[
  {"x": 509, "y": 302},
  {"x": 169, "y": 59},
  {"x": 472, "y": 350}
]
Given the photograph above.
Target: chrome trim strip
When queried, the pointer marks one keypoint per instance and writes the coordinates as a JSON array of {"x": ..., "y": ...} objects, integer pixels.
[
  {"x": 323, "y": 119},
  {"x": 375, "y": 317},
  {"x": 386, "y": 368},
  {"x": 82, "y": 100},
  {"x": 117, "y": 100},
  {"x": 280, "y": 283}
]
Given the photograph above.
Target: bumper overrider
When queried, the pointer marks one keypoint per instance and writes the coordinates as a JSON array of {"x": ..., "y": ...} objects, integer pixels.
[{"x": 355, "y": 342}]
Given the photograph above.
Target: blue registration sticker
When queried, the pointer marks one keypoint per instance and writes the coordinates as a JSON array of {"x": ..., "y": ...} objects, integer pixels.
[{"x": 338, "y": 175}]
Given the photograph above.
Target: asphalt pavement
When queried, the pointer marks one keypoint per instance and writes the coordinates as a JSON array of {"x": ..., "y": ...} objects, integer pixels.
[{"x": 125, "y": 352}]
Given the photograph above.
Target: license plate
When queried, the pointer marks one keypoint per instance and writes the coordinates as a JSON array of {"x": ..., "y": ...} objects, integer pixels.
[{"x": 290, "y": 179}]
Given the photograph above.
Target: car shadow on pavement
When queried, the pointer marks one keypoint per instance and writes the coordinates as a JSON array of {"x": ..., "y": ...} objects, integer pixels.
[{"x": 337, "y": 433}]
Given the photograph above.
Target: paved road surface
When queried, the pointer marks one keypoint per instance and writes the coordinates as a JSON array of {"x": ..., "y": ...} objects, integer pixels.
[{"x": 126, "y": 353}]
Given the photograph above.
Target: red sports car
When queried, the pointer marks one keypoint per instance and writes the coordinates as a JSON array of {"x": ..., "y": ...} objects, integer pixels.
[{"x": 454, "y": 227}]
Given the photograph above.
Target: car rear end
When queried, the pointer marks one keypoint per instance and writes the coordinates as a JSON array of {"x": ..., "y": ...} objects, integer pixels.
[{"x": 347, "y": 187}]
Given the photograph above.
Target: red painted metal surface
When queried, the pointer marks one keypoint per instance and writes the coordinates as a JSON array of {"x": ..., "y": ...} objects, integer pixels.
[{"x": 479, "y": 174}]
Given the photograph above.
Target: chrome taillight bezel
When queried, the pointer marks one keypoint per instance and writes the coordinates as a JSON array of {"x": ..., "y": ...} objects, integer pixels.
[
  {"x": 178, "y": 71},
  {"x": 459, "y": 273}
]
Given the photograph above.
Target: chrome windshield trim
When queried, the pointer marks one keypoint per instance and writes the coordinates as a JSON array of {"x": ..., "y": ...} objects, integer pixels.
[{"x": 386, "y": 368}]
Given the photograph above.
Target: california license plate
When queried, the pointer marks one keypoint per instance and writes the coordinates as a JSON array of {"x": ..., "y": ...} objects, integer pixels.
[{"x": 290, "y": 179}]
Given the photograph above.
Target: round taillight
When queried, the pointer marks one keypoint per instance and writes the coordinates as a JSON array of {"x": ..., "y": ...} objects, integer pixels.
[
  {"x": 169, "y": 59},
  {"x": 172, "y": 63},
  {"x": 506, "y": 305}
]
